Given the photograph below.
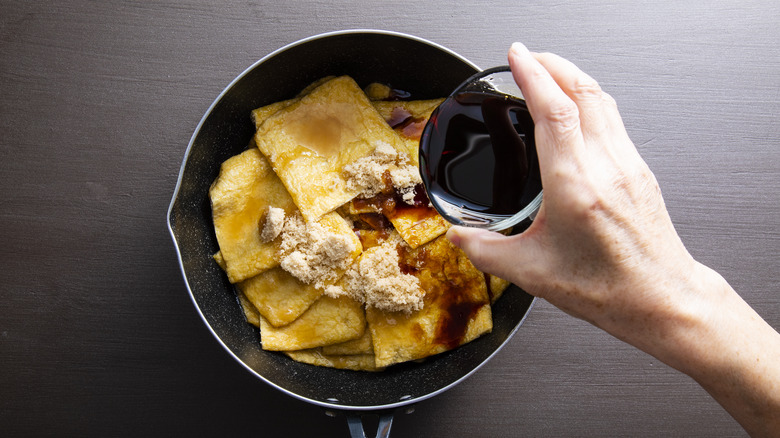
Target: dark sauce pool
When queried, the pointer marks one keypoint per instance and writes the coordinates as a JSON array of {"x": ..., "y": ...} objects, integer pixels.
[{"x": 478, "y": 153}]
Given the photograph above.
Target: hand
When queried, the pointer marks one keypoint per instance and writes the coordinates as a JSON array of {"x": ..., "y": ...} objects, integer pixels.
[
  {"x": 603, "y": 248},
  {"x": 603, "y": 229}
]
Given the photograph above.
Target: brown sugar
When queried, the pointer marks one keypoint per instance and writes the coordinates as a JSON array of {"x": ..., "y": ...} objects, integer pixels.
[
  {"x": 377, "y": 280},
  {"x": 312, "y": 253},
  {"x": 273, "y": 223},
  {"x": 368, "y": 174}
]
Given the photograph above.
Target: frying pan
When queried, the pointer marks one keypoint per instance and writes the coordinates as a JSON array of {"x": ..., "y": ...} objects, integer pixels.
[{"x": 422, "y": 68}]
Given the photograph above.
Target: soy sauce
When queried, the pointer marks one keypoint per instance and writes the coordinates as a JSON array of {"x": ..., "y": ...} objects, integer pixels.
[{"x": 478, "y": 152}]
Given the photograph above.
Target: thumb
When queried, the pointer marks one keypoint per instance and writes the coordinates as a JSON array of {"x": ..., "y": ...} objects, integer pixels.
[{"x": 491, "y": 252}]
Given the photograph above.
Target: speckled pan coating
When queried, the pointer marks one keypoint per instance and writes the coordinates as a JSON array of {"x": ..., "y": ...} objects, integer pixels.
[{"x": 422, "y": 68}]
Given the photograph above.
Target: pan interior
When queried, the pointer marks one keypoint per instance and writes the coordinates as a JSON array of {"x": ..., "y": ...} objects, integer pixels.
[{"x": 421, "y": 68}]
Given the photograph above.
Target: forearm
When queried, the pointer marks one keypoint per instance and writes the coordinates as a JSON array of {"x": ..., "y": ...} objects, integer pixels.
[
  {"x": 718, "y": 339},
  {"x": 603, "y": 248}
]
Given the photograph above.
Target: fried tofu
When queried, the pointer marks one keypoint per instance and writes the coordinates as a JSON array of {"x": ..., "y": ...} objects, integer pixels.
[
  {"x": 408, "y": 119},
  {"x": 496, "y": 287},
  {"x": 418, "y": 225},
  {"x": 355, "y": 362},
  {"x": 250, "y": 312},
  {"x": 245, "y": 188},
  {"x": 260, "y": 115},
  {"x": 456, "y": 307},
  {"x": 361, "y": 345},
  {"x": 310, "y": 141},
  {"x": 295, "y": 274},
  {"x": 278, "y": 296},
  {"x": 328, "y": 321}
]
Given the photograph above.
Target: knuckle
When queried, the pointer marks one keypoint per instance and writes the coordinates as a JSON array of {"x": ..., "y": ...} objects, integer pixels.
[
  {"x": 650, "y": 189},
  {"x": 538, "y": 73},
  {"x": 585, "y": 87},
  {"x": 564, "y": 116},
  {"x": 609, "y": 100}
]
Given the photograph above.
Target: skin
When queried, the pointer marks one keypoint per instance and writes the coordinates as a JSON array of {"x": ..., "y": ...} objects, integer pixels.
[{"x": 603, "y": 248}]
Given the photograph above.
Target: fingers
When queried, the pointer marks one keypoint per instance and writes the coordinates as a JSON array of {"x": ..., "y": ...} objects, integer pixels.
[
  {"x": 555, "y": 115},
  {"x": 494, "y": 253},
  {"x": 598, "y": 111},
  {"x": 573, "y": 116}
]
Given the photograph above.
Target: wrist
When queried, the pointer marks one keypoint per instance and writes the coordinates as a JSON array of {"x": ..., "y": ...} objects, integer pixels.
[
  {"x": 716, "y": 338},
  {"x": 693, "y": 325},
  {"x": 680, "y": 317}
]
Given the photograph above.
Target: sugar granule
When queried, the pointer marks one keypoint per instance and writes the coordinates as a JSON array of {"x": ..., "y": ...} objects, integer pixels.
[{"x": 311, "y": 253}]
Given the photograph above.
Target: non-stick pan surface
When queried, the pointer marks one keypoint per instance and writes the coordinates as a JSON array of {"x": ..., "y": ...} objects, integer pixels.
[{"x": 423, "y": 69}]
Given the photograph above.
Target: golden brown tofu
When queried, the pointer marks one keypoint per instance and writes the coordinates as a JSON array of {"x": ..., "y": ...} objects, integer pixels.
[
  {"x": 310, "y": 141},
  {"x": 278, "y": 296},
  {"x": 356, "y": 362},
  {"x": 408, "y": 119},
  {"x": 418, "y": 225},
  {"x": 250, "y": 313},
  {"x": 361, "y": 345},
  {"x": 314, "y": 264},
  {"x": 328, "y": 321},
  {"x": 496, "y": 287},
  {"x": 245, "y": 188},
  {"x": 456, "y": 307},
  {"x": 260, "y": 115}
]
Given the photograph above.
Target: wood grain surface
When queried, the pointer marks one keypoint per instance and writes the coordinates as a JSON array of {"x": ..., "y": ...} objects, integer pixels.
[{"x": 98, "y": 100}]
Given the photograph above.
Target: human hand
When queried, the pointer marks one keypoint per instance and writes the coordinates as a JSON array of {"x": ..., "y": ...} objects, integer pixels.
[
  {"x": 603, "y": 229},
  {"x": 603, "y": 248}
]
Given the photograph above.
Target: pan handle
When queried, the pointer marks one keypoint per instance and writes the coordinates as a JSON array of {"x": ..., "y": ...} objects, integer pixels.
[{"x": 355, "y": 423}]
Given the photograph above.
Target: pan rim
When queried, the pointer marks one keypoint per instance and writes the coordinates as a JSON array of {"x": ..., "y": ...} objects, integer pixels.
[{"x": 170, "y": 225}]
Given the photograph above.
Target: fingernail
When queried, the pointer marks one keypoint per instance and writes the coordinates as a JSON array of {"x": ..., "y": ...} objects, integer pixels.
[
  {"x": 518, "y": 49},
  {"x": 454, "y": 236}
]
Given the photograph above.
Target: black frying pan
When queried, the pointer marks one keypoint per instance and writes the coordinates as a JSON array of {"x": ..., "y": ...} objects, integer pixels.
[{"x": 422, "y": 68}]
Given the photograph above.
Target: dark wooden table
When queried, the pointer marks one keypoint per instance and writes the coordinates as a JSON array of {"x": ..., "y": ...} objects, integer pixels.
[{"x": 98, "y": 100}]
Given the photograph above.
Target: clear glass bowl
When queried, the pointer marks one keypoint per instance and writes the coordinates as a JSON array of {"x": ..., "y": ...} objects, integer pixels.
[{"x": 455, "y": 208}]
